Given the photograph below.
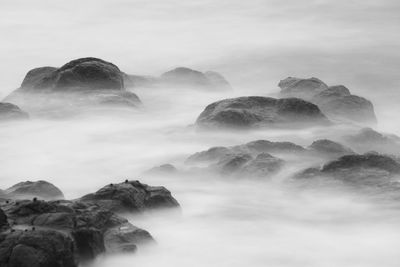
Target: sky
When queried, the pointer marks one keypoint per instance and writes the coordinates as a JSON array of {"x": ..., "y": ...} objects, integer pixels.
[{"x": 254, "y": 43}]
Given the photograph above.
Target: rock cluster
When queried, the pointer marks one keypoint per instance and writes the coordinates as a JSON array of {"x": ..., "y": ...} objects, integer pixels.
[{"x": 62, "y": 233}]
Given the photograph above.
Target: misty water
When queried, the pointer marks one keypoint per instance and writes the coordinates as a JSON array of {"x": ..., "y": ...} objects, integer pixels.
[{"x": 222, "y": 221}]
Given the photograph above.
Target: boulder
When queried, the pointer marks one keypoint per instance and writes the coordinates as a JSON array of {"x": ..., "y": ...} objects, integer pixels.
[
  {"x": 39, "y": 189},
  {"x": 362, "y": 170},
  {"x": 328, "y": 147},
  {"x": 336, "y": 102},
  {"x": 80, "y": 82},
  {"x": 256, "y": 111},
  {"x": 131, "y": 196},
  {"x": 39, "y": 248},
  {"x": 10, "y": 111}
]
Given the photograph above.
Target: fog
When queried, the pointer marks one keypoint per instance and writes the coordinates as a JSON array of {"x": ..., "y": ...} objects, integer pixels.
[{"x": 254, "y": 44}]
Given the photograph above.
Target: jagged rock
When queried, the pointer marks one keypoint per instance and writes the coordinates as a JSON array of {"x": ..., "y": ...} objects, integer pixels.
[
  {"x": 329, "y": 147},
  {"x": 131, "y": 196},
  {"x": 10, "y": 111},
  {"x": 368, "y": 139},
  {"x": 39, "y": 248},
  {"x": 81, "y": 82},
  {"x": 335, "y": 101},
  {"x": 29, "y": 189},
  {"x": 256, "y": 111}
]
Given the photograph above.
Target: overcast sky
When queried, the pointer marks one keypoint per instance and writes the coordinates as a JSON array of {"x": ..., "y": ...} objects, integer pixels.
[{"x": 254, "y": 43}]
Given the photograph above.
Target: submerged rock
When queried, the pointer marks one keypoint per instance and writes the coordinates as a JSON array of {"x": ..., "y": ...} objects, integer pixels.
[
  {"x": 39, "y": 189},
  {"x": 335, "y": 101},
  {"x": 10, "y": 111},
  {"x": 257, "y": 111}
]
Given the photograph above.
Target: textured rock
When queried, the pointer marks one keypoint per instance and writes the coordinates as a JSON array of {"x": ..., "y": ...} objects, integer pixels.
[
  {"x": 131, "y": 196},
  {"x": 39, "y": 189},
  {"x": 256, "y": 111},
  {"x": 301, "y": 88}
]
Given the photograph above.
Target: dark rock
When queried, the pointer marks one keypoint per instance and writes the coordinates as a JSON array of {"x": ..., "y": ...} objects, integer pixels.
[
  {"x": 81, "y": 82},
  {"x": 364, "y": 170},
  {"x": 131, "y": 197},
  {"x": 29, "y": 189},
  {"x": 3, "y": 219},
  {"x": 256, "y": 111},
  {"x": 328, "y": 147},
  {"x": 40, "y": 248},
  {"x": 10, "y": 111}
]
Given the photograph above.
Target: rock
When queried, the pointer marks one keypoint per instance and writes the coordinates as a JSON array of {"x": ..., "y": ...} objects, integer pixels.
[
  {"x": 336, "y": 102},
  {"x": 131, "y": 196},
  {"x": 162, "y": 169},
  {"x": 328, "y": 147},
  {"x": 39, "y": 189},
  {"x": 244, "y": 165},
  {"x": 40, "y": 248},
  {"x": 364, "y": 170},
  {"x": 10, "y": 111},
  {"x": 3, "y": 219},
  {"x": 368, "y": 139},
  {"x": 186, "y": 77},
  {"x": 256, "y": 111},
  {"x": 81, "y": 82},
  {"x": 211, "y": 155},
  {"x": 266, "y": 146},
  {"x": 301, "y": 88}
]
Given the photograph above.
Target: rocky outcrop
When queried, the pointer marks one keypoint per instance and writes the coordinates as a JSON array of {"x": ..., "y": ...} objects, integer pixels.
[
  {"x": 328, "y": 147},
  {"x": 256, "y": 111},
  {"x": 66, "y": 233},
  {"x": 10, "y": 111},
  {"x": 131, "y": 196},
  {"x": 335, "y": 101},
  {"x": 84, "y": 81},
  {"x": 39, "y": 189}
]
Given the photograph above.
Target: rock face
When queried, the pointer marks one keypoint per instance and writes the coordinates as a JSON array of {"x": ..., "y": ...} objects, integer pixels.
[
  {"x": 256, "y": 111},
  {"x": 366, "y": 170},
  {"x": 368, "y": 139},
  {"x": 39, "y": 189},
  {"x": 84, "y": 81},
  {"x": 335, "y": 101},
  {"x": 10, "y": 111},
  {"x": 131, "y": 196},
  {"x": 66, "y": 233},
  {"x": 41, "y": 248},
  {"x": 325, "y": 146}
]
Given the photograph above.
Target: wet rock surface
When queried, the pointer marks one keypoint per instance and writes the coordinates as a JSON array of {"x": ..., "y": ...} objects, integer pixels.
[
  {"x": 65, "y": 233},
  {"x": 257, "y": 111}
]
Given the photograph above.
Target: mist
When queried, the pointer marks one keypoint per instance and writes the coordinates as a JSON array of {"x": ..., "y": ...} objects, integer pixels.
[{"x": 254, "y": 44}]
